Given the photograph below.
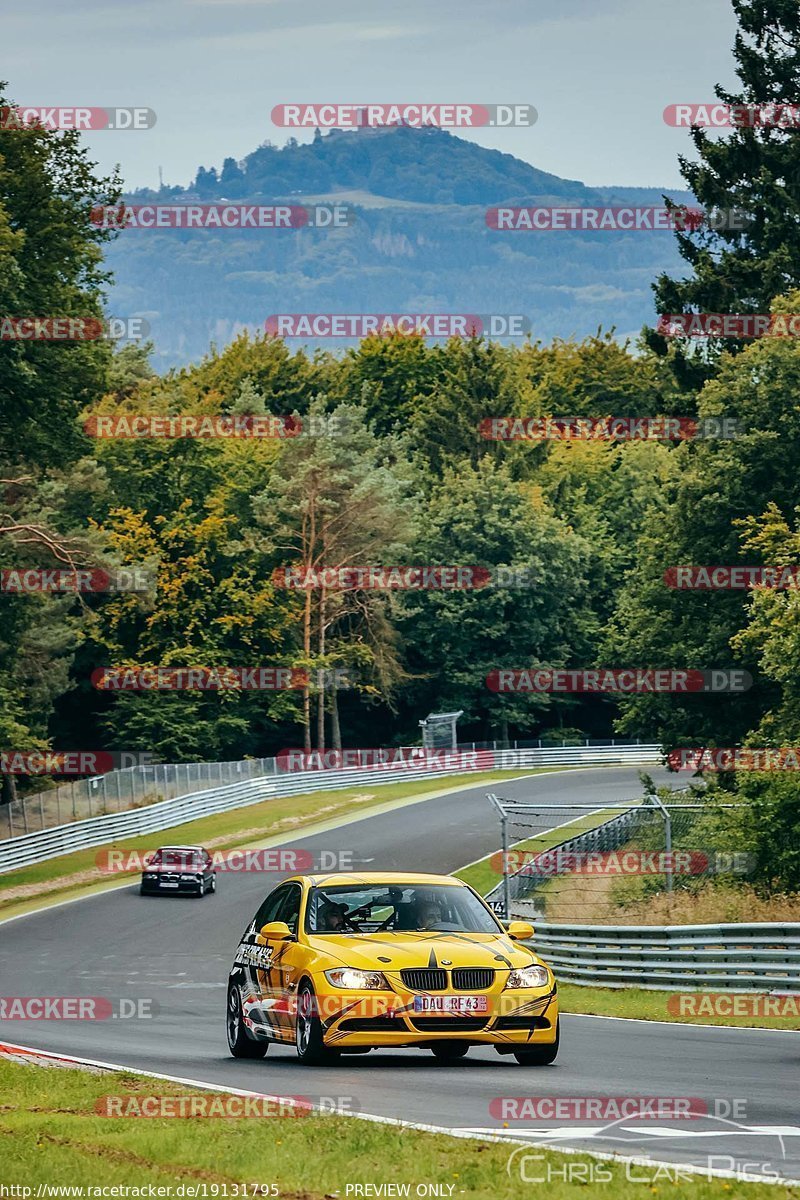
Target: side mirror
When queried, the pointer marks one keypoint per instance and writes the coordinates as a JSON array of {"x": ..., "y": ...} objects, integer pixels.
[
  {"x": 520, "y": 931},
  {"x": 275, "y": 931}
]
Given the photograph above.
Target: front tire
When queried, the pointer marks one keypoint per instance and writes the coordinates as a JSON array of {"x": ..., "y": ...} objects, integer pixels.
[
  {"x": 308, "y": 1040},
  {"x": 539, "y": 1056},
  {"x": 240, "y": 1044},
  {"x": 449, "y": 1051}
]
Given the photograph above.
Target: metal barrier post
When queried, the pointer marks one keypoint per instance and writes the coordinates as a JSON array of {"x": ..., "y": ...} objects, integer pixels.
[
  {"x": 667, "y": 839},
  {"x": 504, "y": 843}
]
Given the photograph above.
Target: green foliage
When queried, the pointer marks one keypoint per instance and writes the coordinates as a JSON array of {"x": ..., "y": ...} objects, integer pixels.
[{"x": 755, "y": 169}]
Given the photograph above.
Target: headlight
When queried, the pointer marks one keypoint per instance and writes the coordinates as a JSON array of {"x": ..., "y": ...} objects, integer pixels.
[
  {"x": 348, "y": 977},
  {"x": 527, "y": 977}
]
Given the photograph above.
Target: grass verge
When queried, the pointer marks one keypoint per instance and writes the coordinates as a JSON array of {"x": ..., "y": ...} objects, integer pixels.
[
  {"x": 73, "y": 874},
  {"x": 645, "y": 1005},
  {"x": 50, "y": 1134}
]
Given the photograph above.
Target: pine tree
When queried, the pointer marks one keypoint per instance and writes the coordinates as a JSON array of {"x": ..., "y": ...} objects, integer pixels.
[{"x": 754, "y": 169}]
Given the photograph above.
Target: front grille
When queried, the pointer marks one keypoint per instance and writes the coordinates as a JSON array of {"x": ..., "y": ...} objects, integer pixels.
[
  {"x": 449, "y": 1024},
  {"x": 472, "y": 979},
  {"x": 428, "y": 979}
]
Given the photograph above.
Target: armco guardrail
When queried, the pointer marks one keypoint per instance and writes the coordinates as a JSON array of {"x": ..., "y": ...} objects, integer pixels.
[
  {"x": 49, "y": 843},
  {"x": 741, "y": 957},
  {"x": 80, "y": 835}
]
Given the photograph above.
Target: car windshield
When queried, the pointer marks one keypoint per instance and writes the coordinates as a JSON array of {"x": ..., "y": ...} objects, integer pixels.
[
  {"x": 181, "y": 859},
  {"x": 397, "y": 908}
]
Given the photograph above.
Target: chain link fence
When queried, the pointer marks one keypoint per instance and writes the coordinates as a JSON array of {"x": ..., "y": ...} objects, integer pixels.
[
  {"x": 615, "y": 863},
  {"x": 119, "y": 791},
  {"x": 135, "y": 787}
]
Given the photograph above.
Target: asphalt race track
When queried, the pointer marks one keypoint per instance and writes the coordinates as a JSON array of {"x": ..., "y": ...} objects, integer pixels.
[{"x": 178, "y": 951}]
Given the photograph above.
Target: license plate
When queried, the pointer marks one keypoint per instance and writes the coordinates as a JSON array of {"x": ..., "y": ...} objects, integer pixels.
[
  {"x": 169, "y": 884},
  {"x": 451, "y": 1004}
]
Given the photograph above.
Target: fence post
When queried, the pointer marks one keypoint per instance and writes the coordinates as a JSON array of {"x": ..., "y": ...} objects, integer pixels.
[
  {"x": 667, "y": 840},
  {"x": 504, "y": 843},
  {"x": 506, "y": 876}
]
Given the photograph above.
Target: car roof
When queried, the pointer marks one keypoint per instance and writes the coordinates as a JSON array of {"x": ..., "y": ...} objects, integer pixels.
[
  {"x": 180, "y": 847},
  {"x": 365, "y": 878}
]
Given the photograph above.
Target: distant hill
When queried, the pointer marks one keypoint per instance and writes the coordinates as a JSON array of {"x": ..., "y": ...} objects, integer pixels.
[{"x": 420, "y": 243}]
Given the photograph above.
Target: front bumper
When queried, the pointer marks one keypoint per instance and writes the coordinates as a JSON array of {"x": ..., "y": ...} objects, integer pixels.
[
  {"x": 171, "y": 886},
  {"x": 518, "y": 1017}
]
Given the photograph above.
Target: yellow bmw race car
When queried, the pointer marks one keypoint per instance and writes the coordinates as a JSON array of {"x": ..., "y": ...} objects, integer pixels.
[{"x": 346, "y": 963}]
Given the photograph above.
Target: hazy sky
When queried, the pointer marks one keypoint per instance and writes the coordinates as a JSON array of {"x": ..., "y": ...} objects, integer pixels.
[{"x": 599, "y": 72}]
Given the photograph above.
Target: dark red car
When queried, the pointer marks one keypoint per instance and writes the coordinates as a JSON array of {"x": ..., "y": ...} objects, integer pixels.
[{"x": 179, "y": 869}]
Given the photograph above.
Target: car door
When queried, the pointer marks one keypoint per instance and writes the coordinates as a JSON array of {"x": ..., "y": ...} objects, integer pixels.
[
  {"x": 256, "y": 957},
  {"x": 281, "y": 980}
]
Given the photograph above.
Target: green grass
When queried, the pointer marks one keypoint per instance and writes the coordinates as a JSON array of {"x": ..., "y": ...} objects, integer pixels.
[
  {"x": 646, "y": 1005},
  {"x": 483, "y": 875},
  {"x": 51, "y": 1134},
  {"x": 278, "y": 817}
]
